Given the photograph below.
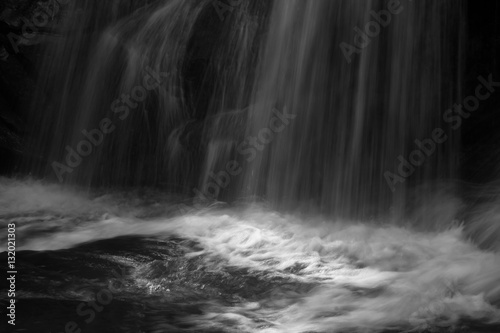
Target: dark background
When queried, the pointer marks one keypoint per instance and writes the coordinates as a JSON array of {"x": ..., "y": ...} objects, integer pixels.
[{"x": 481, "y": 132}]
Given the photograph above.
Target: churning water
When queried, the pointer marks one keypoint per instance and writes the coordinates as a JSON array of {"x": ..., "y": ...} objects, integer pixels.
[
  {"x": 144, "y": 101},
  {"x": 241, "y": 269}
]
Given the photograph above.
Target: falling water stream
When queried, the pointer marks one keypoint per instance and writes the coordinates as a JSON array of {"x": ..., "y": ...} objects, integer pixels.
[{"x": 219, "y": 166}]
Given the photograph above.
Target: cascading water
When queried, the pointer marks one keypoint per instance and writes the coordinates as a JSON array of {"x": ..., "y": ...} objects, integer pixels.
[
  {"x": 155, "y": 113},
  {"x": 134, "y": 62},
  {"x": 354, "y": 111}
]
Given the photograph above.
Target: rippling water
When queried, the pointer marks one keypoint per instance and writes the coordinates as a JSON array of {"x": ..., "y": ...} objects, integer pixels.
[{"x": 143, "y": 262}]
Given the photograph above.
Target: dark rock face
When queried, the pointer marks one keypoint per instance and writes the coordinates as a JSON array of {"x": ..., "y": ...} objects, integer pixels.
[
  {"x": 16, "y": 91},
  {"x": 21, "y": 51},
  {"x": 480, "y": 135}
]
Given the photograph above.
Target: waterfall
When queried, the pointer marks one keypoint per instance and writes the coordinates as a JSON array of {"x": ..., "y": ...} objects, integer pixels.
[
  {"x": 127, "y": 92},
  {"x": 354, "y": 112},
  {"x": 308, "y": 104}
]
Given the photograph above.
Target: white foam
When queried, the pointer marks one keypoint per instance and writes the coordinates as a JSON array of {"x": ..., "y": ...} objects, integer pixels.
[{"x": 367, "y": 277}]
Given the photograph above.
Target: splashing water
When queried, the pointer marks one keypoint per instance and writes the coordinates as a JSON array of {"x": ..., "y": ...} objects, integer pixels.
[{"x": 250, "y": 269}]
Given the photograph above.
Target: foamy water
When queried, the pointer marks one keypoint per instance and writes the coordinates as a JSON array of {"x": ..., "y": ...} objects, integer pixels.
[{"x": 341, "y": 275}]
